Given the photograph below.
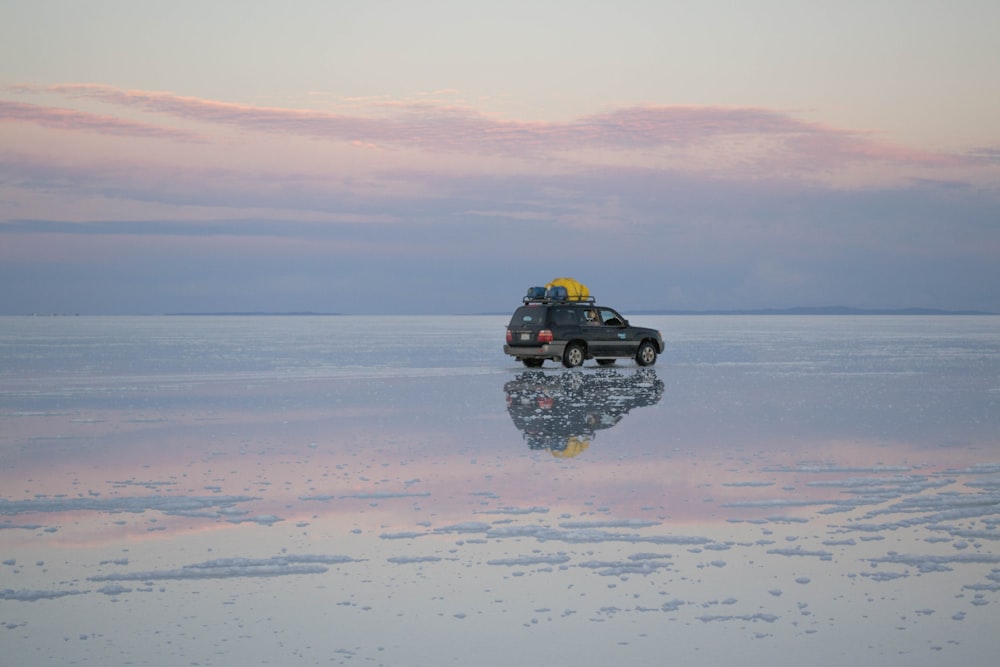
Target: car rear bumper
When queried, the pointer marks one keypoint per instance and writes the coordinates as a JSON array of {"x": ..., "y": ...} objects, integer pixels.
[{"x": 547, "y": 351}]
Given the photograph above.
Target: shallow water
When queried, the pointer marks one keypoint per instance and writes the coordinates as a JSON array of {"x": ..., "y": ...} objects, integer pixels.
[{"x": 394, "y": 490}]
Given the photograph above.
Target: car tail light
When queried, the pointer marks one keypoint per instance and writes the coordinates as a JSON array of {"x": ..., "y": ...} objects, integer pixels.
[
  {"x": 510, "y": 336},
  {"x": 544, "y": 336}
]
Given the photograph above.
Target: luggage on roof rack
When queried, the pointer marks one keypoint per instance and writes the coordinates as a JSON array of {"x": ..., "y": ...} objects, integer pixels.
[
  {"x": 557, "y": 299},
  {"x": 557, "y": 293},
  {"x": 570, "y": 289},
  {"x": 560, "y": 289}
]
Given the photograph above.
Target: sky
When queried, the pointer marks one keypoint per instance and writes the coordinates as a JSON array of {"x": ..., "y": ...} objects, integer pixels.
[{"x": 441, "y": 157}]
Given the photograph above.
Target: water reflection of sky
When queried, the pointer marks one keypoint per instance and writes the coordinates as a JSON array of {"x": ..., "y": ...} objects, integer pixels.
[{"x": 817, "y": 490}]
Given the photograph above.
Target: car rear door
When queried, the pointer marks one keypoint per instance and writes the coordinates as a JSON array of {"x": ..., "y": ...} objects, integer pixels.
[{"x": 565, "y": 322}]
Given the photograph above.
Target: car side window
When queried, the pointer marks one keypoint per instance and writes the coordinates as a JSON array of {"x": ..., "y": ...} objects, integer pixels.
[
  {"x": 565, "y": 316},
  {"x": 611, "y": 318}
]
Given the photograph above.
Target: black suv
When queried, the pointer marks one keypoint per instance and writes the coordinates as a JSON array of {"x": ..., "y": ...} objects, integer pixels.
[{"x": 571, "y": 330}]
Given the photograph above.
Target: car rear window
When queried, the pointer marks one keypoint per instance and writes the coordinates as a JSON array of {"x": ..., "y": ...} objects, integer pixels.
[{"x": 528, "y": 315}]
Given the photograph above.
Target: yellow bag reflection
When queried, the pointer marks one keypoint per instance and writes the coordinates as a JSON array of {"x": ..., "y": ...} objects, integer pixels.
[
  {"x": 575, "y": 290},
  {"x": 574, "y": 446}
]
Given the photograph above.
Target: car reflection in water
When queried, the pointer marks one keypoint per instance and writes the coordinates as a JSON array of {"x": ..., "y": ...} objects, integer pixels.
[{"x": 562, "y": 412}]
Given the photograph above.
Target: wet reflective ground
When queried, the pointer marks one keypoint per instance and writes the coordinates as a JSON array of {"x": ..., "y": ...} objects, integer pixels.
[{"x": 289, "y": 490}]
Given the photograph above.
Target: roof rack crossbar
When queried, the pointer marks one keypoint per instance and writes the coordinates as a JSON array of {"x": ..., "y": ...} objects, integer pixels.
[{"x": 570, "y": 299}]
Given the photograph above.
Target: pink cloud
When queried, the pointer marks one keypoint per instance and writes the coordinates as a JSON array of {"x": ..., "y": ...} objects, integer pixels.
[
  {"x": 68, "y": 119},
  {"x": 751, "y": 135}
]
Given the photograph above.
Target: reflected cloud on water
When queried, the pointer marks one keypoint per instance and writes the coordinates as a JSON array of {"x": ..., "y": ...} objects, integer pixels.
[{"x": 563, "y": 412}]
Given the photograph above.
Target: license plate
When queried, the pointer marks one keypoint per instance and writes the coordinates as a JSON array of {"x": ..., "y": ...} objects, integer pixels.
[{"x": 525, "y": 336}]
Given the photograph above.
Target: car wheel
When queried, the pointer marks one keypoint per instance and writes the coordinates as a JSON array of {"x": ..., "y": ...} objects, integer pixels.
[
  {"x": 573, "y": 355},
  {"x": 605, "y": 362},
  {"x": 646, "y": 355},
  {"x": 533, "y": 363}
]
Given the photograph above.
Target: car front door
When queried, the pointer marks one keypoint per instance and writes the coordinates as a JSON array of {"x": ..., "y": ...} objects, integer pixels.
[
  {"x": 601, "y": 338},
  {"x": 615, "y": 333}
]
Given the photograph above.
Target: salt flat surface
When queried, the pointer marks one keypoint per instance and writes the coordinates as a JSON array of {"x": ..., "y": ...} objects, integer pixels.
[{"x": 396, "y": 491}]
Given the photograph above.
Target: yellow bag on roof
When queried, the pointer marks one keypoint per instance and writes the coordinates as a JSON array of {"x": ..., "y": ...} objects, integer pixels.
[{"x": 575, "y": 290}]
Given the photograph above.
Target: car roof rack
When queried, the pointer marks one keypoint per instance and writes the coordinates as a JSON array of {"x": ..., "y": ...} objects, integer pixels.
[{"x": 583, "y": 300}]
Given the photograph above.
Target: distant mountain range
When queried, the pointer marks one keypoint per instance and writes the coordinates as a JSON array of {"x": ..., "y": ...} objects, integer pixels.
[
  {"x": 257, "y": 314},
  {"x": 814, "y": 310}
]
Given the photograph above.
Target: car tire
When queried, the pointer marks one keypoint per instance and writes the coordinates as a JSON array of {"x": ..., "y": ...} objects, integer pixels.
[
  {"x": 533, "y": 363},
  {"x": 573, "y": 355},
  {"x": 646, "y": 354}
]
